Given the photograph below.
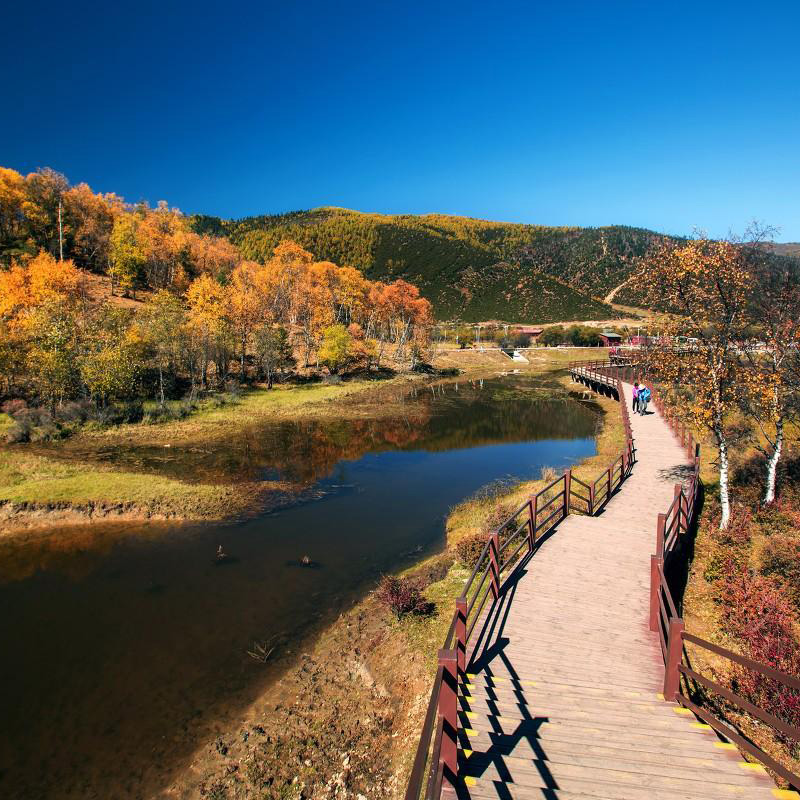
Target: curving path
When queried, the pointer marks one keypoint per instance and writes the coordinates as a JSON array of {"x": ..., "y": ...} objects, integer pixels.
[{"x": 563, "y": 693}]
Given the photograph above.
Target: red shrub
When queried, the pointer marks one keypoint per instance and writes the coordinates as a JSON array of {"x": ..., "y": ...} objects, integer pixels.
[
  {"x": 402, "y": 596},
  {"x": 760, "y": 616}
]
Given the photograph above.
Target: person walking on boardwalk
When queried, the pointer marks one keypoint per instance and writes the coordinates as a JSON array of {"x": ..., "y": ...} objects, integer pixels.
[
  {"x": 644, "y": 397},
  {"x": 635, "y": 397}
]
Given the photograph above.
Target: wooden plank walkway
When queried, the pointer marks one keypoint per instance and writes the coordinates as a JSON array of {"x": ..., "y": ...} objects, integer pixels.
[{"x": 564, "y": 681}]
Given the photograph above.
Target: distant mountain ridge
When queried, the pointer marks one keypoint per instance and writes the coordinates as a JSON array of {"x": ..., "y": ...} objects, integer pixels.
[{"x": 470, "y": 269}]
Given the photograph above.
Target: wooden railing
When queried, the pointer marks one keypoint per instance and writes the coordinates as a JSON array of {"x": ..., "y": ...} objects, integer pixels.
[
  {"x": 672, "y": 528},
  {"x": 436, "y": 758}
]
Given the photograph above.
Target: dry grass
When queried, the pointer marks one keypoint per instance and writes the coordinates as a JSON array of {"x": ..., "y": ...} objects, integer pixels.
[{"x": 34, "y": 482}]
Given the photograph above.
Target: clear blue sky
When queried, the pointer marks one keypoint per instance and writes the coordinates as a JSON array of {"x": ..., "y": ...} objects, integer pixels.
[{"x": 666, "y": 115}]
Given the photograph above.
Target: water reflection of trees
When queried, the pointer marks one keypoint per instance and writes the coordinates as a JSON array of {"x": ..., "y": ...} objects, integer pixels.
[{"x": 434, "y": 419}]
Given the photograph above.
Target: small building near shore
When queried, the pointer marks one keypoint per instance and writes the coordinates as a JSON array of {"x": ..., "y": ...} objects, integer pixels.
[
  {"x": 528, "y": 330},
  {"x": 610, "y": 339}
]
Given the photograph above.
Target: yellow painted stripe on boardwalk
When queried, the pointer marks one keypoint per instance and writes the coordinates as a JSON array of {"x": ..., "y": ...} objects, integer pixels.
[
  {"x": 681, "y": 710},
  {"x": 470, "y": 781},
  {"x": 470, "y": 714},
  {"x": 752, "y": 767},
  {"x": 467, "y": 753},
  {"x": 470, "y": 731},
  {"x": 785, "y": 794},
  {"x": 725, "y": 745},
  {"x": 701, "y": 726}
]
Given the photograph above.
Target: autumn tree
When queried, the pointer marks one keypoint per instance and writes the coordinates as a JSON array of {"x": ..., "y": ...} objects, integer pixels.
[
  {"x": 705, "y": 285},
  {"x": 273, "y": 351},
  {"x": 13, "y": 227},
  {"x": 772, "y": 382},
  {"x": 336, "y": 349},
  {"x": 52, "y": 331},
  {"x": 89, "y": 221},
  {"x": 245, "y": 306},
  {"x": 126, "y": 253},
  {"x": 161, "y": 326},
  {"x": 205, "y": 318},
  {"x": 43, "y": 208}
]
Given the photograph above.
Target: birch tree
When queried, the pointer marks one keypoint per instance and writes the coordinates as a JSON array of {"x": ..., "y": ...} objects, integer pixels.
[
  {"x": 705, "y": 286},
  {"x": 773, "y": 380}
]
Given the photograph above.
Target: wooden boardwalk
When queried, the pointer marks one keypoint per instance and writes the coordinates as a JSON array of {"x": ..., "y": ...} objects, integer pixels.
[{"x": 562, "y": 699}]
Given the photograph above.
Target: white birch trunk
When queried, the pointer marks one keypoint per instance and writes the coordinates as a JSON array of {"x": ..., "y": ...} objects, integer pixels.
[
  {"x": 724, "y": 494},
  {"x": 772, "y": 463}
]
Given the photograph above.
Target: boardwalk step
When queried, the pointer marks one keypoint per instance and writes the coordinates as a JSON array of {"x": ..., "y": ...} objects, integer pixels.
[
  {"x": 504, "y": 695},
  {"x": 563, "y": 715},
  {"x": 513, "y": 688},
  {"x": 648, "y": 747},
  {"x": 714, "y": 769},
  {"x": 488, "y": 790},
  {"x": 626, "y": 784},
  {"x": 561, "y": 679}
]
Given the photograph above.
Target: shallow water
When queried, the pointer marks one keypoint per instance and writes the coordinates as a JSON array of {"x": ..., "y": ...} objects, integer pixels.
[{"x": 125, "y": 645}]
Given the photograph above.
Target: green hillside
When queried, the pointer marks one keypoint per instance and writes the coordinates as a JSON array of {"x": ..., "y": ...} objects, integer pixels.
[{"x": 470, "y": 269}]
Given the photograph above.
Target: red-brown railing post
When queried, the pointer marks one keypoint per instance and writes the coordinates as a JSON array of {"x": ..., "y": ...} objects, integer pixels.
[
  {"x": 533, "y": 508},
  {"x": 608, "y": 484},
  {"x": 672, "y": 676},
  {"x": 662, "y": 523},
  {"x": 461, "y": 634},
  {"x": 567, "y": 490},
  {"x": 591, "y": 499},
  {"x": 448, "y": 711},
  {"x": 494, "y": 564},
  {"x": 655, "y": 588}
]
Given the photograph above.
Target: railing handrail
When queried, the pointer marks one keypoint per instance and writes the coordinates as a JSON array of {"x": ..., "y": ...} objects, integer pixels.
[{"x": 672, "y": 632}]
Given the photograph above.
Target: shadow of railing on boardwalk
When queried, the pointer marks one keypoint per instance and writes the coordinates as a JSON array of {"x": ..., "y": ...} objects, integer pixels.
[{"x": 489, "y": 659}]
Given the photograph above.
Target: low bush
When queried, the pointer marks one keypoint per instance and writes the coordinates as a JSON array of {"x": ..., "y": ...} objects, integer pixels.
[
  {"x": 772, "y": 520},
  {"x": 18, "y": 433},
  {"x": 74, "y": 411},
  {"x": 469, "y": 549},
  {"x": 759, "y": 616},
  {"x": 781, "y": 559},
  {"x": 13, "y": 407},
  {"x": 119, "y": 413},
  {"x": 731, "y": 546},
  {"x": 402, "y": 596}
]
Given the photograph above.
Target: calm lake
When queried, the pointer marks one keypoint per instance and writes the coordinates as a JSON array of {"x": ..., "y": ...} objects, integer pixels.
[{"x": 125, "y": 645}]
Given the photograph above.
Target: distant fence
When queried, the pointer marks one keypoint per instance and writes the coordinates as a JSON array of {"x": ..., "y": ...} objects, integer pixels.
[{"x": 436, "y": 758}]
